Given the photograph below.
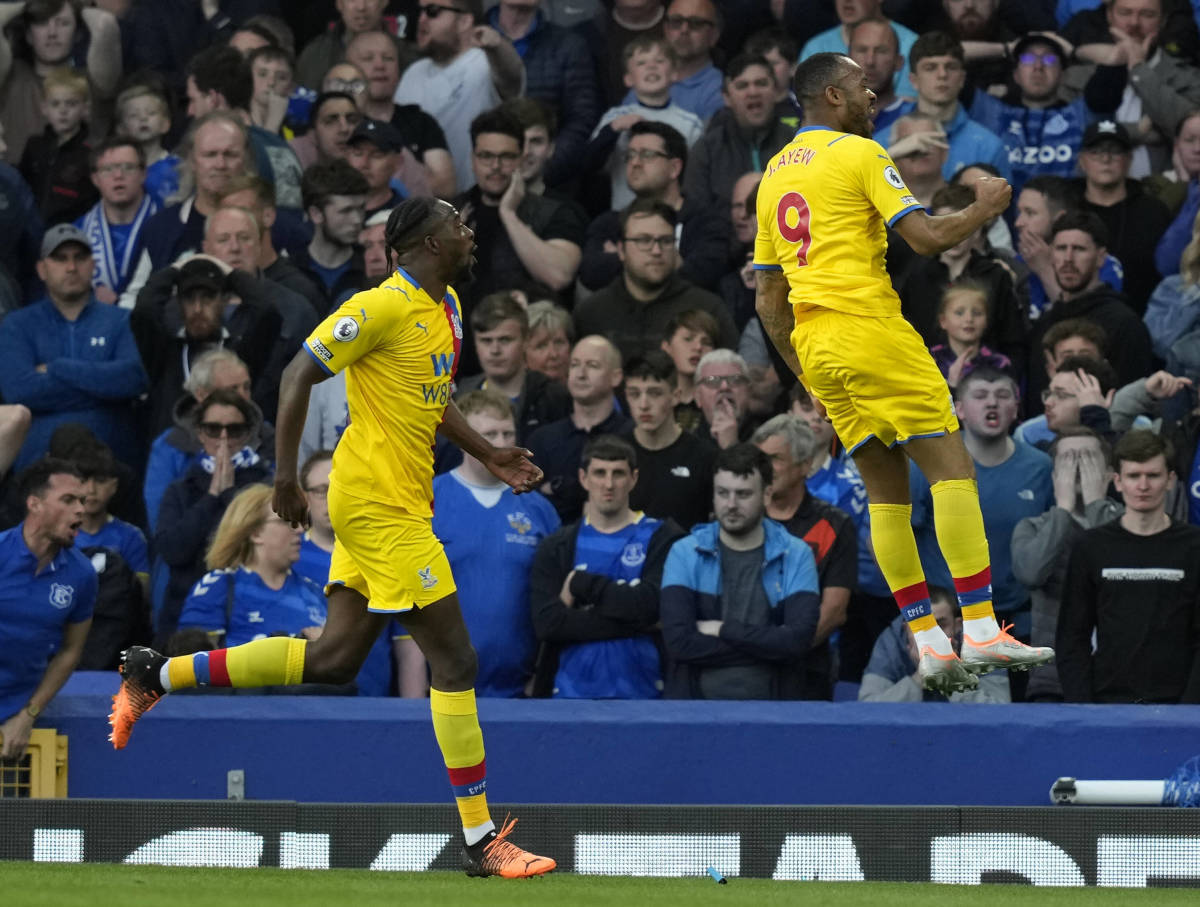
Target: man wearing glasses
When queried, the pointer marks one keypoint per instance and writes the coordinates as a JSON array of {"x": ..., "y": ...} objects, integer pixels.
[
  {"x": 634, "y": 309},
  {"x": 692, "y": 28},
  {"x": 1041, "y": 131},
  {"x": 465, "y": 70}
]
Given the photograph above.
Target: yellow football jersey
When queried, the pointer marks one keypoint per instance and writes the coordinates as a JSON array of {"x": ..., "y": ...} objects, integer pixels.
[
  {"x": 400, "y": 349},
  {"x": 823, "y": 207}
]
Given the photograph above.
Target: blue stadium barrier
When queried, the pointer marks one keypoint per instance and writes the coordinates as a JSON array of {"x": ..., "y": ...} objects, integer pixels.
[{"x": 359, "y": 750}]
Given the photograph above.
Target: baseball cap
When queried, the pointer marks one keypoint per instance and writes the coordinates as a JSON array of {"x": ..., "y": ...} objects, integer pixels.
[
  {"x": 63, "y": 233},
  {"x": 200, "y": 275},
  {"x": 1024, "y": 43},
  {"x": 383, "y": 136},
  {"x": 1106, "y": 131}
]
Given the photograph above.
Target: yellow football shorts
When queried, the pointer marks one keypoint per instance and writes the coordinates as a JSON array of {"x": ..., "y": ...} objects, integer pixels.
[
  {"x": 874, "y": 376},
  {"x": 391, "y": 557}
]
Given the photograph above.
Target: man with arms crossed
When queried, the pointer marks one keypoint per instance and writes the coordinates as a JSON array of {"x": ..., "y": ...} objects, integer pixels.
[
  {"x": 398, "y": 344},
  {"x": 829, "y": 308}
]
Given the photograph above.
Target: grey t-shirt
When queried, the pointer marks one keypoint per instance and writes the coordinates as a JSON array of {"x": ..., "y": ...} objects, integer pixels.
[{"x": 743, "y": 599}]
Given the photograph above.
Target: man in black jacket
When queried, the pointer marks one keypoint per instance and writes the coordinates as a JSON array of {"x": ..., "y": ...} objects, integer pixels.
[
  {"x": 594, "y": 588},
  {"x": 1079, "y": 245},
  {"x": 1129, "y": 626}
]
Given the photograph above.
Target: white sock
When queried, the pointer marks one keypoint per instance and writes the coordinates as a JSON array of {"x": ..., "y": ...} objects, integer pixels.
[
  {"x": 476, "y": 834},
  {"x": 935, "y": 639},
  {"x": 981, "y": 629},
  {"x": 164, "y": 678}
]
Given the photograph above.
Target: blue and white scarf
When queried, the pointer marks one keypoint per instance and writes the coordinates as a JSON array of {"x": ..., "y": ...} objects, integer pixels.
[
  {"x": 243, "y": 459},
  {"x": 95, "y": 226}
]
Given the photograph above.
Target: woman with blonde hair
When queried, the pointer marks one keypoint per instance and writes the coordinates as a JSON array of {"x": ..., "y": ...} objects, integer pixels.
[
  {"x": 251, "y": 590},
  {"x": 1174, "y": 307}
]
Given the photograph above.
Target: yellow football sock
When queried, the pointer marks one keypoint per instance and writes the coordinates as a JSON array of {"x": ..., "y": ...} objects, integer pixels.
[
  {"x": 958, "y": 523},
  {"x": 263, "y": 662},
  {"x": 456, "y": 726}
]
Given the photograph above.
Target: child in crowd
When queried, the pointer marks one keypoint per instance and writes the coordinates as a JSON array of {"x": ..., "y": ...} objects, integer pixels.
[
  {"x": 963, "y": 318},
  {"x": 649, "y": 70},
  {"x": 55, "y": 163},
  {"x": 272, "y": 70},
  {"x": 688, "y": 336},
  {"x": 144, "y": 115}
]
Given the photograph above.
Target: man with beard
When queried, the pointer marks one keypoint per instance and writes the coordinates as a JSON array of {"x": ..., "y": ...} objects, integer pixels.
[
  {"x": 1078, "y": 247},
  {"x": 466, "y": 70},
  {"x": 823, "y": 208},
  {"x": 521, "y": 236},
  {"x": 71, "y": 358},
  {"x": 47, "y": 592},
  {"x": 985, "y": 39},
  {"x": 400, "y": 342},
  {"x": 633, "y": 310}
]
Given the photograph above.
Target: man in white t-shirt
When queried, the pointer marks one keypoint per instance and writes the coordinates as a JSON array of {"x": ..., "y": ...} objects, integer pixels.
[{"x": 465, "y": 69}]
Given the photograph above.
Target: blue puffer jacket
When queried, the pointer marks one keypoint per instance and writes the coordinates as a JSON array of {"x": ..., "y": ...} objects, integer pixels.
[{"x": 691, "y": 591}]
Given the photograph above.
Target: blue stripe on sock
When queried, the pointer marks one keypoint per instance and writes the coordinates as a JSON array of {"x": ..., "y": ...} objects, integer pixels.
[
  {"x": 470, "y": 790},
  {"x": 200, "y": 666},
  {"x": 917, "y": 609},
  {"x": 975, "y": 596}
]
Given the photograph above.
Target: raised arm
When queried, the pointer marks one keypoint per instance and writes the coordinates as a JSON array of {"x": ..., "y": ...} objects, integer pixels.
[
  {"x": 104, "y": 54},
  {"x": 929, "y": 235}
]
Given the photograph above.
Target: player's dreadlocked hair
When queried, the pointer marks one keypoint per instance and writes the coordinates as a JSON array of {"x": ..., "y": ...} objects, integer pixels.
[
  {"x": 815, "y": 73},
  {"x": 406, "y": 225}
]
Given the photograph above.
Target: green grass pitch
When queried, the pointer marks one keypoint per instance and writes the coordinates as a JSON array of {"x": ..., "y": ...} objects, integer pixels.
[{"x": 102, "y": 884}]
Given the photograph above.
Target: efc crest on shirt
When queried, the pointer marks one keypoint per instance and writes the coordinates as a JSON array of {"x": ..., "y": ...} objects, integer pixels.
[{"x": 61, "y": 596}]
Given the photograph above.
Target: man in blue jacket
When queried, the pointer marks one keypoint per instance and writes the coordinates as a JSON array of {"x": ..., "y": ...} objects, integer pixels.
[
  {"x": 740, "y": 597},
  {"x": 70, "y": 358}
]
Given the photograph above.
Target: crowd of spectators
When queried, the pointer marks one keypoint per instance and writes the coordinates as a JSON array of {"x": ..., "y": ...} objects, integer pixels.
[{"x": 189, "y": 186}]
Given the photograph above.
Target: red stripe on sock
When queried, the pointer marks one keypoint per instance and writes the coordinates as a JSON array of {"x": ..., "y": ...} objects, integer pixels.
[
  {"x": 971, "y": 583},
  {"x": 910, "y": 595},
  {"x": 218, "y": 673},
  {"x": 470, "y": 775}
]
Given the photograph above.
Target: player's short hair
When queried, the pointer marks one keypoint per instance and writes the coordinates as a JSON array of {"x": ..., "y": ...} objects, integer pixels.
[
  {"x": 654, "y": 365},
  {"x": 674, "y": 144},
  {"x": 877, "y": 20},
  {"x": 647, "y": 207},
  {"x": 546, "y": 315},
  {"x": 694, "y": 320},
  {"x": 496, "y": 308},
  {"x": 272, "y": 53},
  {"x": 530, "y": 112},
  {"x": 68, "y": 79},
  {"x": 966, "y": 285},
  {"x": 985, "y": 374},
  {"x": 314, "y": 458},
  {"x": 954, "y": 196},
  {"x": 223, "y": 69},
  {"x": 744, "y": 459},
  {"x": 1097, "y": 368},
  {"x": 486, "y": 401},
  {"x": 743, "y": 61},
  {"x": 646, "y": 42},
  {"x": 774, "y": 37},
  {"x": 325, "y": 179},
  {"x": 801, "y": 442},
  {"x": 409, "y": 222},
  {"x": 264, "y": 192},
  {"x": 1084, "y": 221},
  {"x": 609, "y": 448},
  {"x": 1059, "y": 193},
  {"x": 935, "y": 44},
  {"x": 722, "y": 356},
  {"x": 115, "y": 140},
  {"x": 816, "y": 73},
  {"x": 498, "y": 121},
  {"x": 1081, "y": 431},
  {"x": 1074, "y": 327},
  {"x": 36, "y": 478},
  {"x": 314, "y": 112},
  {"x": 231, "y": 544},
  {"x": 1140, "y": 445},
  {"x": 200, "y": 377}
]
